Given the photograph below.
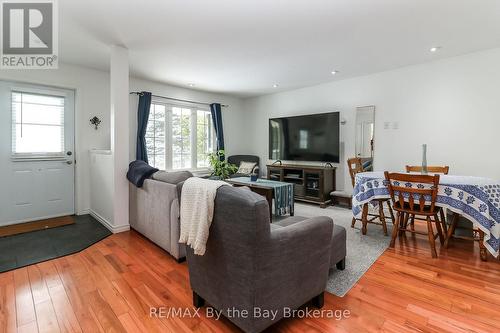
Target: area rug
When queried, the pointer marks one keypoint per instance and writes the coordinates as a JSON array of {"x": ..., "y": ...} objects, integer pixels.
[
  {"x": 362, "y": 250},
  {"x": 33, "y": 247}
]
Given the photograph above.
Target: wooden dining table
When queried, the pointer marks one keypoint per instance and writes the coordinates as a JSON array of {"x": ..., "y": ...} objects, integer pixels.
[{"x": 475, "y": 198}]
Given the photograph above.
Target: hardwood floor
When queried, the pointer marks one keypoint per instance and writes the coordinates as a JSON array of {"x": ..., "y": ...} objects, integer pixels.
[{"x": 111, "y": 286}]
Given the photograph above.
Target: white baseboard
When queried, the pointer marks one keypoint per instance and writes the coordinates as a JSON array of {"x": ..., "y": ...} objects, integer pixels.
[{"x": 113, "y": 228}]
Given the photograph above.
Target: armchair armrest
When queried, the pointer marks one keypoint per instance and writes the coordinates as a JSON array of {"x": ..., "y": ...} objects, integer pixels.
[
  {"x": 293, "y": 265},
  {"x": 300, "y": 241}
]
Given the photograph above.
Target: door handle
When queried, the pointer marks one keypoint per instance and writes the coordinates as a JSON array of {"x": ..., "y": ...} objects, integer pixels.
[{"x": 69, "y": 162}]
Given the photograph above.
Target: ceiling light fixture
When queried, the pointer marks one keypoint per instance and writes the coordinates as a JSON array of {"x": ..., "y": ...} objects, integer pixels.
[
  {"x": 275, "y": 85},
  {"x": 334, "y": 72},
  {"x": 435, "y": 49},
  {"x": 191, "y": 84}
]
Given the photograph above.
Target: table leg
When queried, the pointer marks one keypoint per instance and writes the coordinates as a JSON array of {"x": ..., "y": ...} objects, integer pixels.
[
  {"x": 482, "y": 248},
  {"x": 451, "y": 229},
  {"x": 269, "y": 197},
  {"x": 382, "y": 216},
  {"x": 443, "y": 220},
  {"x": 364, "y": 218}
]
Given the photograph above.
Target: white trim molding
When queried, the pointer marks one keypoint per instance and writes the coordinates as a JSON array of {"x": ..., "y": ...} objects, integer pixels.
[{"x": 114, "y": 229}]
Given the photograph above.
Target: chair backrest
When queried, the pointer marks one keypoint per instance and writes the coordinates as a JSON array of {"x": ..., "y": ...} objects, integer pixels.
[
  {"x": 237, "y": 159},
  {"x": 240, "y": 225},
  {"x": 431, "y": 169},
  {"x": 354, "y": 165},
  {"x": 412, "y": 193}
]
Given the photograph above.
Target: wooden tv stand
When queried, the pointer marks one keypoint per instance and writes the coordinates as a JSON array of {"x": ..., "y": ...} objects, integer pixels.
[{"x": 312, "y": 183}]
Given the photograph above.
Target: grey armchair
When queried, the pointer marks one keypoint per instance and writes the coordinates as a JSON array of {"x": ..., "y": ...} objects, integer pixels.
[
  {"x": 237, "y": 159},
  {"x": 250, "y": 264}
]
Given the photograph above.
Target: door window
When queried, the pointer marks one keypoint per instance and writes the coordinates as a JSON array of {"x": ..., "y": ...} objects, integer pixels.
[{"x": 37, "y": 125}]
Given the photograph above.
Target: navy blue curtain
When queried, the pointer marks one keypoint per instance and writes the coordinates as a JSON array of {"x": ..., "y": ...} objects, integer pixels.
[
  {"x": 142, "y": 123},
  {"x": 215, "y": 109}
]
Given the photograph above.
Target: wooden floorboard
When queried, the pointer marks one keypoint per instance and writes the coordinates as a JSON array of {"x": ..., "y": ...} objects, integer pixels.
[
  {"x": 21, "y": 228},
  {"x": 111, "y": 286}
]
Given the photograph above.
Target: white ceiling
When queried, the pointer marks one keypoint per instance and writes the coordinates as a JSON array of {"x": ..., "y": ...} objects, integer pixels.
[{"x": 243, "y": 47}]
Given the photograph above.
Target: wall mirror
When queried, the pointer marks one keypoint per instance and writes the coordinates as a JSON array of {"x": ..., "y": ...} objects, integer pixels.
[{"x": 365, "y": 130}]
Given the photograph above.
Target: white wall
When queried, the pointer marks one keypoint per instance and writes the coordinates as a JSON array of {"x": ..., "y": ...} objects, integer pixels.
[
  {"x": 453, "y": 105},
  {"x": 101, "y": 186},
  {"x": 91, "y": 99}
]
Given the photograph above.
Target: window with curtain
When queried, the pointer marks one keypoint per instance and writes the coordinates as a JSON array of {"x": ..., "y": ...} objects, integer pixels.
[
  {"x": 179, "y": 137},
  {"x": 37, "y": 125},
  {"x": 155, "y": 136}
]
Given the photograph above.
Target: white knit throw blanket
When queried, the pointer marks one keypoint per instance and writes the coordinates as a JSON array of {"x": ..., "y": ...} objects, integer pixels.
[{"x": 197, "y": 211}]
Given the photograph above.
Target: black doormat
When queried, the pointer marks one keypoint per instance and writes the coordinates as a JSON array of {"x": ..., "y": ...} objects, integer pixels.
[{"x": 33, "y": 247}]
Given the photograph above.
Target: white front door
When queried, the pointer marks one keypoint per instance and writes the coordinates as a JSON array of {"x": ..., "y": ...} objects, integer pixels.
[{"x": 37, "y": 163}]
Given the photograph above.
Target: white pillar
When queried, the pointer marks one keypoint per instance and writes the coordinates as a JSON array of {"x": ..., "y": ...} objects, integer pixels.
[{"x": 120, "y": 136}]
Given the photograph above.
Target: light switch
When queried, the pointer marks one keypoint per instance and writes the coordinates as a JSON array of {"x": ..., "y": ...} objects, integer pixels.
[
  {"x": 387, "y": 125},
  {"x": 395, "y": 125}
]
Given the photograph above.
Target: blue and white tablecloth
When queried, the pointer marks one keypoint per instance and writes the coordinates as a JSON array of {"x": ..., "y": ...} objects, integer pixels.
[{"x": 475, "y": 198}]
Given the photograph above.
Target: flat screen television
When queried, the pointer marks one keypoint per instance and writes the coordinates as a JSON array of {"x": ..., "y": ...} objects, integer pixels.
[{"x": 313, "y": 137}]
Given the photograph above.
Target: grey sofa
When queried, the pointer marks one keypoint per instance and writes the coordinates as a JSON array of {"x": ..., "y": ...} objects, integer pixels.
[
  {"x": 237, "y": 159},
  {"x": 154, "y": 211},
  {"x": 251, "y": 264}
]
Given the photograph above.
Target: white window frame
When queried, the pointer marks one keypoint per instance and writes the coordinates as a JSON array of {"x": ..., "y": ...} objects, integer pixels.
[
  {"x": 193, "y": 134},
  {"x": 37, "y": 156}
]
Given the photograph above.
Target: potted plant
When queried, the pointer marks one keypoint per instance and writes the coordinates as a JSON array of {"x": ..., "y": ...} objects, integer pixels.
[{"x": 221, "y": 168}]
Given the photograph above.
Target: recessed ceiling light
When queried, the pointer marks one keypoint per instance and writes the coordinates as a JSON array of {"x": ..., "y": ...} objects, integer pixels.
[
  {"x": 435, "y": 49},
  {"x": 275, "y": 85},
  {"x": 191, "y": 84},
  {"x": 334, "y": 72}
]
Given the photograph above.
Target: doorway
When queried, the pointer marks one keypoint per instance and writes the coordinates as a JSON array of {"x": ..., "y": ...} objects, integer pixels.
[{"x": 37, "y": 157}]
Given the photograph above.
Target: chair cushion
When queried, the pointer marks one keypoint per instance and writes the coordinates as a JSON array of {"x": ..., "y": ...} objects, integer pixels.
[
  {"x": 289, "y": 221},
  {"x": 344, "y": 194},
  {"x": 246, "y": 168}
]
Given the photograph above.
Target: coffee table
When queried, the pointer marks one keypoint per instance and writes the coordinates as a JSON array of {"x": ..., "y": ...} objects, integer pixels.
[{"x": 270, "y": 189}]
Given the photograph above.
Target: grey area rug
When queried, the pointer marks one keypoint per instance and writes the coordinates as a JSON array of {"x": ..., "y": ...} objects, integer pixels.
[{"x": 362, "y": 250}]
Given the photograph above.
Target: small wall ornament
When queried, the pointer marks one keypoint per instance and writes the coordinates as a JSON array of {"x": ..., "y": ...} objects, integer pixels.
[{"x": 95, "y": 121}]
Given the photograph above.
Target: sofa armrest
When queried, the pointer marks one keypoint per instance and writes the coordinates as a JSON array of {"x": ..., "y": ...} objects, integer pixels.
[{"x": 293, "y": 265}]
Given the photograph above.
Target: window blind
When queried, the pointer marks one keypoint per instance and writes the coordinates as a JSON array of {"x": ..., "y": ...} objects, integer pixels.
[{"x": 37, "y": 125}]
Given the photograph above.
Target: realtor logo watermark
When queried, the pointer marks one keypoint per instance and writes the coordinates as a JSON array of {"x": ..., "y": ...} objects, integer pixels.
[{"x": 29, "y": 36}]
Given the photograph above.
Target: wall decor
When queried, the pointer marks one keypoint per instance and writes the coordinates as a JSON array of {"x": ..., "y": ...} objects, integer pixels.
[{"x": 95, "y": 121}]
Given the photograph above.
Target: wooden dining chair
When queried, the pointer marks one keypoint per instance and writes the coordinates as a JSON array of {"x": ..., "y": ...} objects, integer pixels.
[
  {"x": 435, "y": 169},
  {"x": 430, "y": 169},
  {"x": 355, "y": 166},
  {"x": 415, "y": 195},
  {"x": 460, "y": 222}
]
